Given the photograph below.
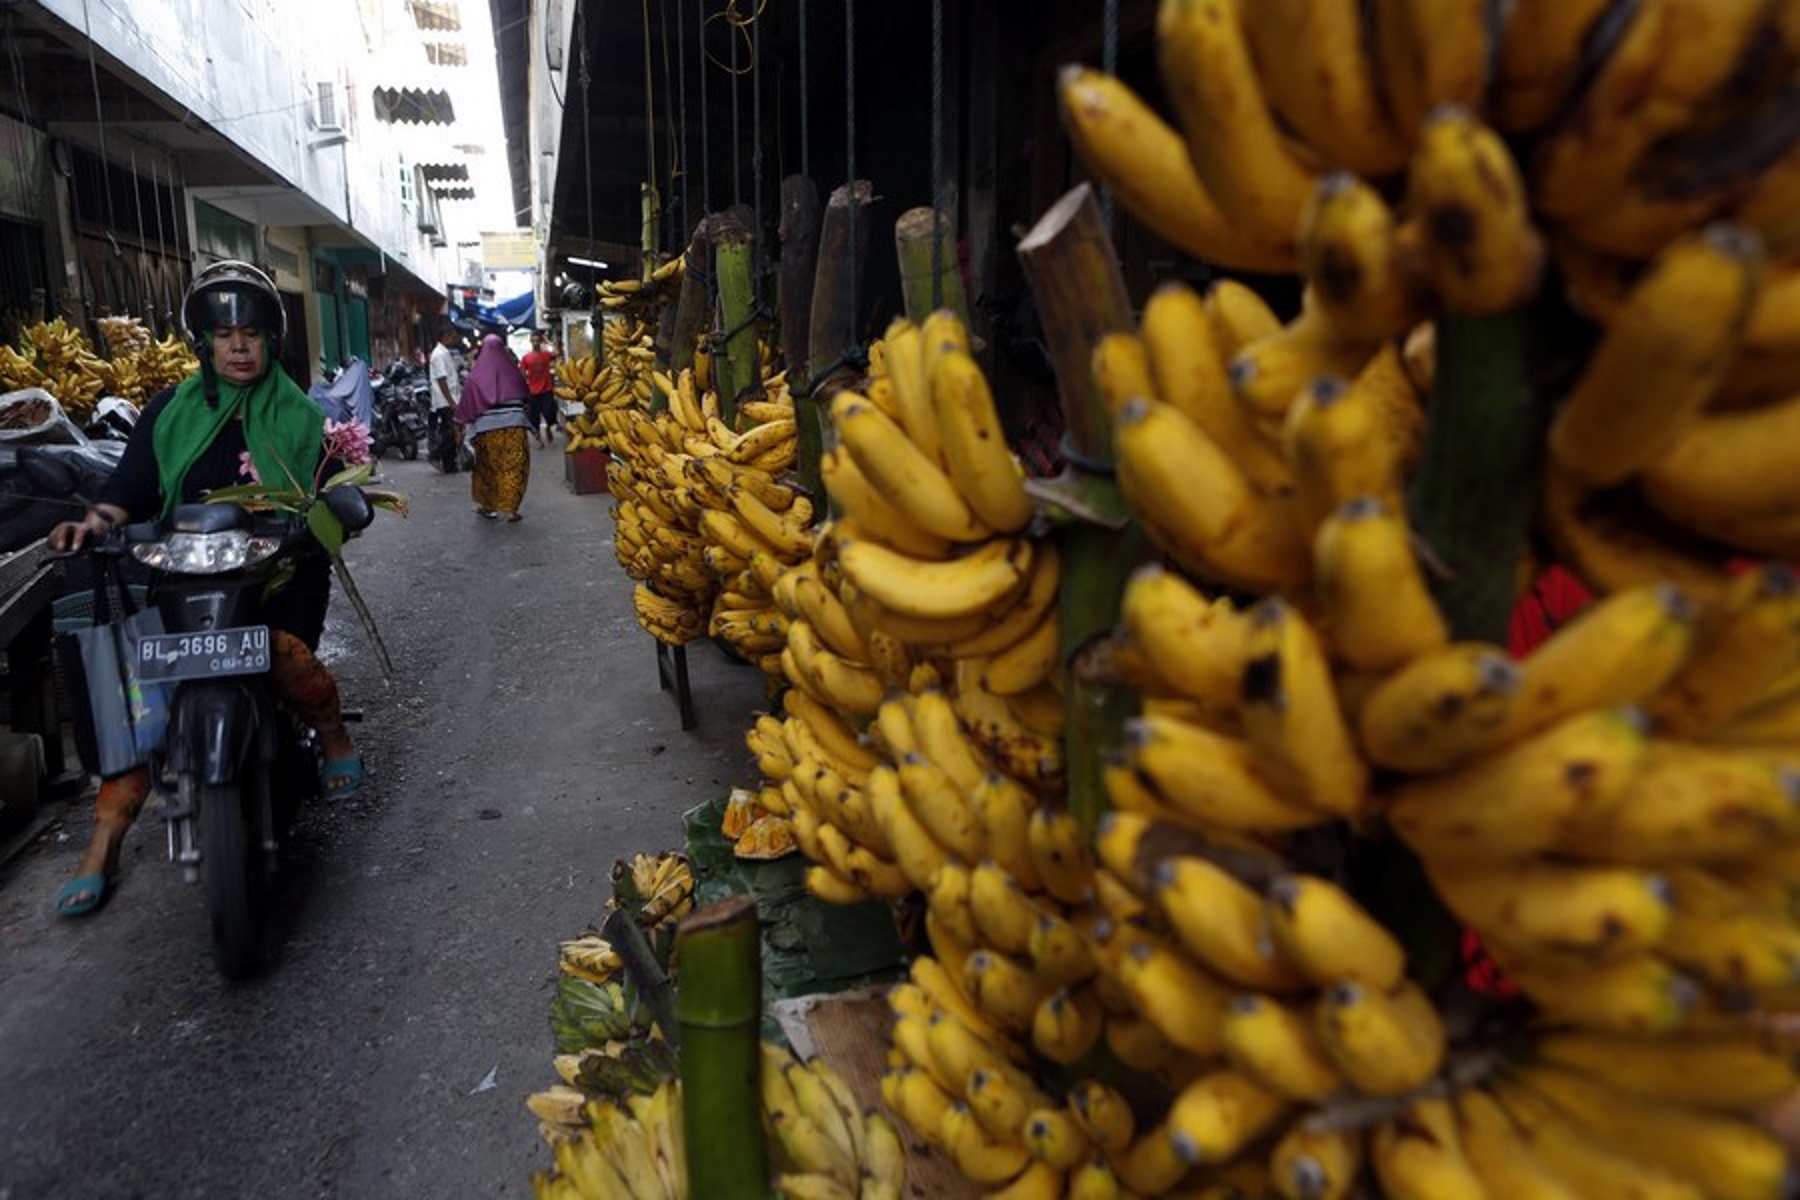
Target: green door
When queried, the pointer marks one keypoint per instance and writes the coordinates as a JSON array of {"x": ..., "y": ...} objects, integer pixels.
[
  {"x": 331, "y": 346},
  {"x": 357, "y": 315}
]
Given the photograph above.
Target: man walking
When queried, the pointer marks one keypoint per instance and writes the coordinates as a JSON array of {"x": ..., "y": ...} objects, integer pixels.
[
  {"x": 445, "y": 386},
  {"x": 540, "y": 403}
]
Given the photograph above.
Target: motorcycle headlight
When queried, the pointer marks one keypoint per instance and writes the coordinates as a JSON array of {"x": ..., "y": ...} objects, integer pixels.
[{"x": 205, "y": 553}]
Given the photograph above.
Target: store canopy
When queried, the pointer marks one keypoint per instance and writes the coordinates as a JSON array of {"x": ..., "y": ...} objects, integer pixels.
[
  {"x": 517, "y": 313},
  {"x": 414, "y": 106},
  {"x": 441, "y": 172},
  {"x": 436, "y": 14}
]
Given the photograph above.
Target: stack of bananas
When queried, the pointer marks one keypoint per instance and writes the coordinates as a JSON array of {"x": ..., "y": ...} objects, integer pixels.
[
  {"x": 581, "y": 380},
  {"x": 123, "y": 335},
  {"x": 1406, "y": 157},
  {"x": 57, "y": 357},
  {"x": 617, "y": 1147},
  {"x": 139, "y": 374},
  {"x": 827, "y": 1147},
  {"x": 823, "y": 1145},
  {"x": 663, "y": 282}
]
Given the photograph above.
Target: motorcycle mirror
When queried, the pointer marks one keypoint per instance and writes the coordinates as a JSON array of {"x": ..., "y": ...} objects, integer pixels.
[
  {"x": 51, "y": 475},
  {"x": 348, "y": 504}
]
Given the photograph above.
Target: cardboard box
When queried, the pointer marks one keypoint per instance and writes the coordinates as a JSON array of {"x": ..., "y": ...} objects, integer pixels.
[{"x": 585, "y": 471}]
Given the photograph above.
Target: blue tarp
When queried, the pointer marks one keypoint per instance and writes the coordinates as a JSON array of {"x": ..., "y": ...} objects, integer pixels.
[
  {"x": 517, "y": 313},
  {"x": 349, "y": 396}
]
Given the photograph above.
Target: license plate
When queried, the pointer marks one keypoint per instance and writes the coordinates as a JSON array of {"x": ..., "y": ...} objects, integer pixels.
[{"x": 243, "y": 650}]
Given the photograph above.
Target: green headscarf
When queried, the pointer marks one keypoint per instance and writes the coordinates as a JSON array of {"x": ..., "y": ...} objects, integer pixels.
[{"x": 283, "y": 429}]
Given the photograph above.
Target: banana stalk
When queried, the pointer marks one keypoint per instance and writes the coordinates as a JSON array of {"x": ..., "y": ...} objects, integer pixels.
[
  {"x": 694, "y": 301},
  {"x": 719, "y": 1006},
  {"x": 834, "y": 351},
  {"x": 644, "y": 970},
  {"x": 928, "y": 283},
  {"x": 1068, "y": 259},
  {"x": 733, "y": 251}
]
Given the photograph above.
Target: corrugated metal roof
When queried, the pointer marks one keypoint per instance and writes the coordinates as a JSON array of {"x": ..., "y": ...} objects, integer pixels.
[{"x": 437, "y": 14}]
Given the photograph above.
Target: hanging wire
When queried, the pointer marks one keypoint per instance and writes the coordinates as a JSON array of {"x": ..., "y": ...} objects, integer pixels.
[
  {"x": 937, "y": 147},
  {"x": 1109, "y": 62},
  {"x": 737, "y": 157},
  {"x": 649, "y": 105},
  {"x": 756, "y": 150},
  {"x": 587, "y": 151},
  {"x": 687, "y": 219},
  {"x": 705, "y": 154},
  {"x": 677, "y": 164},
  {"x": 853, "y": 350},
  {"x": 805, "y": 86},
  {"x": 99, "y": 120}
]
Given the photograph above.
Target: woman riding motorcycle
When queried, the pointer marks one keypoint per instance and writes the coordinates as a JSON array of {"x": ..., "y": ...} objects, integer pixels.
[{"x": 238, "y": 417}]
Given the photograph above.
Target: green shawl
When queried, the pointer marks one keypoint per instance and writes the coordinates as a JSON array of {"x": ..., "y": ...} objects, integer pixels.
[{"x": 283, "y": 429}]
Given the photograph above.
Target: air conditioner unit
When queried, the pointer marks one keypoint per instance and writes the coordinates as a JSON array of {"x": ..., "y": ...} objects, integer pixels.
[{"x": 326, "y": 116}]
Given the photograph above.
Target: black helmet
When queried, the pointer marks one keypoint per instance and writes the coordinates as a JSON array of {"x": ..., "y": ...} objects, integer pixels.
[{"x": 233, "y": 293}]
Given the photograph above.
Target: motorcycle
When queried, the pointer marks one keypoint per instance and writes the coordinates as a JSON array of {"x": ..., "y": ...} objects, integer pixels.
[
  {"x": 401, "y": 414},
  {"x": 235, "y": 764}
]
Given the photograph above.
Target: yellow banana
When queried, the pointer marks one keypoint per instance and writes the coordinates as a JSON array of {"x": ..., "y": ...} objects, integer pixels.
[
  {"x": 1519, "y": 801},
  {"x": 1741, "y": 652},
  {"x": 784, "y": 532},
  {"x": 1232, "y": 136},
  {"x": 1000, "y": 1107},
  {"x": 1004, "y": 915},
  {"x": 1275, "y": 1045},
  {"x": 1501, "y": 1152},
  {"x": 978, "y": 1157},
  {"x": 1067, "y": 1025},
  {"x": 1418, "y": 1156},
  {"x": 1639, "y": 995},
  {"x": 1432, "y": 53},
  {"x": 1185, "y": 1004},
  {"x": 1150, "y": 1166},
  {"x": 1195, "y": 646},
  {"x": 1540, "y": 61},
  {"x": 875, "y": 874},
  {"x": 1104, "y": 1114},
  {"x": 1004, "y": 810},
  {"x": 990, "y": 576},
  {"x": 1660, "y": 357},
  {"x": 1728, "y": 1156},
  {"x": 836, "y": 681},
  {"x": 1128, "y": 146},
  {"x": 897, "y": 469},
  {"x": 1211, "y": 777},
  {"x": 1020, "y": 751},
  {"x": 1751, "y": 951},
  {"x": 1269, "y": 374},
  {"x": 1336, "y": 445},
  {"x": 974, "y": 444},
  {"x": 1028, "y": 662},
  {"x": 1315, "y": 63},
  {"x": 855, "y": 497},
  {"x": 824, "y": 882},
  {"x": 1689, "y": 803},
  {"x": 1441, "y": 709},
  {"x": 1219, "y": 1114},
  {"x": 912, "y": 387},
  {"x": 1611, "y": 540},
  {"x": 1590, "y": 1167},
  {"x": 1038, "y": 1181},
  {"x": 916, "y": 852},
  {"x": 1298, "y": 737},
  {"x": 1059, "y": 853},
  {"x": 947, "y": 899},
  {"x": 1196, "y": 503},
  {"x": 1021, "y": 617},
  {"x": 1121, "y": 367},
  {"x": 1364, "y": 274},
  {"x": 1005, "y": 989},
  {"x": 753, "y": 445},
  {"x": 1221, "y": 922},
  {"x": 959, "y": 1049},
  {"x": 940, "y": 805},
  {"x": 1059, "y": 951},
  {"x": 1308, "y": 1164},
  {"x": 1238, "y": 316},
  {"x": 1376, "y": 610},
  {"x": 1737, "y": 1072},
  {"x": 1541, "y": 907},
  {"x": 1188, "y": 370},
  {"x": 1093, "y": 1180},
  {"x": 833, "y": 735},
  {"x": 1617, "y": 651},
  {"x": 1055, "y": 1139},
  {"x": 822, "y": 610},
  {"x": 1384, "y": 1043},
  {"x": 912, "y": 1096},
  {"x": 1328, "y": 936},
  {"x": 1481, "y": 251}
]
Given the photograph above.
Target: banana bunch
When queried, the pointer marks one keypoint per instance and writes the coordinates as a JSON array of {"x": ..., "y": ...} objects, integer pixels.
[
  {"x": 826, "y": 1145},
  {"x": 59, "y": 358},
  {"x": 658, "y": 889},
  {"x": 123, "y": 335},
  {"x": 155, "y": 365},
  {"x": 656, "y": 534},
  {"x": 581, "y": 380},
  {"x": 631, "y": 1147},
  {"x": 663, "y": 280},
  {"x": 590, "y": 957},
  {"x": 627, "y": 356},
  {"x": 1405, "y": 158}
]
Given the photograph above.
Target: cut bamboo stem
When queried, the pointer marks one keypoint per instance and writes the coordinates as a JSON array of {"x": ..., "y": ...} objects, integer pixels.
[
  {"x": 719, "y": 1005},
  {"x": 646, "y": 973},
  {"x": 799, "y": 232},
  {"x": 923, "y": 289},
  {"x": 834, "y": 345},
  {"x": 735, "y": 365},
  {"x": 1074, "y": 276},
  {"x": 694, "y": 302}
]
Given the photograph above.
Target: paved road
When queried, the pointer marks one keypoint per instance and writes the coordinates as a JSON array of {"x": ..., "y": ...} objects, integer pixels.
[{"x": 522, "y": 746}]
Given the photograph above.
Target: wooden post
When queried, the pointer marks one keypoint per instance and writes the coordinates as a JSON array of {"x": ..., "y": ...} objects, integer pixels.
[
  {"x": 799, "y": 231},
  {"x": 735, "y": 362},
  {"x": 694, "y": 302},
  {"x": 1068, "y": 261},
  {"x": 833, "y": 332},
  {"x": 912, "y": 241},
  {"x": 719, "y": 1006}
]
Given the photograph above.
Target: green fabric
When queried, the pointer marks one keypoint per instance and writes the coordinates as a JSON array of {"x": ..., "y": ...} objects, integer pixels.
[{"x": 283, "y": 429}]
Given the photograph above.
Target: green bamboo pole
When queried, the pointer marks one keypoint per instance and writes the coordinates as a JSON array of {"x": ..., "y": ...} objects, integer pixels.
[
  {"x": 719, "y": 1005},
  {"x": 1074, "y": 275},
  {"x": 913, "y": 242},
  {"x": 734, "y": 363},
  {"x": 1471, "y": 506}
]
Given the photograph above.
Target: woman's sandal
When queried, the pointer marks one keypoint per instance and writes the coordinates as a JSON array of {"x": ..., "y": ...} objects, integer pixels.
[
  {"x": 340, "y": 777},
  {"x": 83, "y": 894}
]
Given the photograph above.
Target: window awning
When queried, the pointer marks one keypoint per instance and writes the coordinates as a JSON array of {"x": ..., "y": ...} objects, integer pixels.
[
  {"x": 436, "y": 14},
  {"x": 414, "y": 106},
  {"x": 441, "y": 172}
]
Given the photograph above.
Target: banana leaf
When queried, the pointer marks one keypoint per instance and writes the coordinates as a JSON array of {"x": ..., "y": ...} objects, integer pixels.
[
  {"x": 639, "y": 1067},
  {"x": 586, "y": 1016}
]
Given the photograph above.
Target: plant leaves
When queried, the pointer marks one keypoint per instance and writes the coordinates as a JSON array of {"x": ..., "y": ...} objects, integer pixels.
[
  {"x": 356, "y": 474},
  {"x": 326, "y": 528},
  {"x": 363, "y": 614}
]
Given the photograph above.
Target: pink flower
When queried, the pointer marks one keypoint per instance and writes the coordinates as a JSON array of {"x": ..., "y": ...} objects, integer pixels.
[
  {"x": 348, "y": 442},
  {"x": 246, "y": 468}
]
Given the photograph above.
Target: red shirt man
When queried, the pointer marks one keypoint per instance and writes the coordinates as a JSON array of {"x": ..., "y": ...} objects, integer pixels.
[{"x": 540, "y": 405}]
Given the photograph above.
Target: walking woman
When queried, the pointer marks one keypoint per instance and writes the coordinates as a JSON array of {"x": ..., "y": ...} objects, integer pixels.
[{"x": 493, "y": 410}]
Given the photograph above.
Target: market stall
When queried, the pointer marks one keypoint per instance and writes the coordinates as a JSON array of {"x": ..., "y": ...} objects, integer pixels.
[{"x": 1362, "y": 761}]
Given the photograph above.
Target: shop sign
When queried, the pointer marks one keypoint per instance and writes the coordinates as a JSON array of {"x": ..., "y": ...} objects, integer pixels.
[{"x": 512, "y": 250}]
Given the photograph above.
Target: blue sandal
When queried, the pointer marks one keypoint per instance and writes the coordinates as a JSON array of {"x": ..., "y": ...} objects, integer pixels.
[
  {"x": 82, "y": 895},
  {"x": 340, "y": 777}
]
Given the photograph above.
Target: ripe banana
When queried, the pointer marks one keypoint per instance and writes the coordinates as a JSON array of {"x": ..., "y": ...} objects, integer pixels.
[
  {"x": 1298, "y": 737},
  {"x": 1546, "y": 908},
  {"x": 1384, "y": 1043},
  {"x": 855, "y": 497},
  {"x": 1275, "y": 1045},
  {"x": 1221, "y": 922},
  {"x": 1376, "y": 610},
  {"x": 1418, "y": 1156},
  {"x": 1219, "y": 1114},
  {"x": 982, "y": 581},
  {"x": 1365, "y": 271},
  {"x": 974, "y": 444},
  {"x": 896, "y": 467},
  {"x": 1481, "y": 252},
  {"x": 1441, "y": 709}
]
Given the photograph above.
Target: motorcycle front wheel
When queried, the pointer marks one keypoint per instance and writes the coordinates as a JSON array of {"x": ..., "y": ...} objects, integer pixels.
[
  {"x": 409, "y": 448},
  {"x": 227, "y": 865}
]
